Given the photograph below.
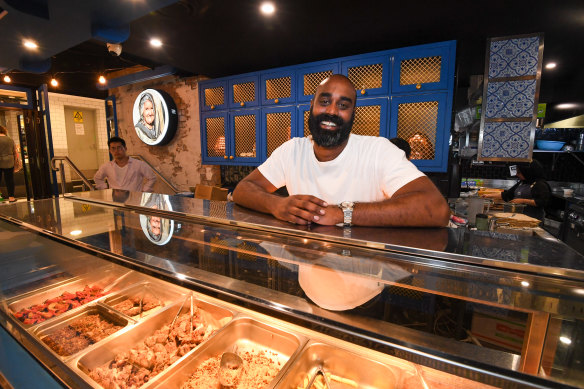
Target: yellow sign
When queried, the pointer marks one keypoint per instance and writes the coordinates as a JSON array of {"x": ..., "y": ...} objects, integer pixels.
[
  {"x": 78, "y": 116},
  {"x": 86, "y": 207}
]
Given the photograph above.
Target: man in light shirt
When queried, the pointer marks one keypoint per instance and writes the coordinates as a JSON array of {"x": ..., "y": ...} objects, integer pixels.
[
  {"x": 124, "y": 172},
  {"x": 335, "y": 177}
]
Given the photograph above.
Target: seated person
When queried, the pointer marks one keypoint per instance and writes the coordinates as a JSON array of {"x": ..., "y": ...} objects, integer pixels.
[{"x": 335, "y": 177}]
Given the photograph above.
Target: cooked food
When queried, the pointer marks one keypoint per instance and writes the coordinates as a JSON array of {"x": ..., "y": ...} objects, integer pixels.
[
  {"x": 80, "y": 333},
  {"x": 134, "y": 368},
  {"x": 58, "y": 305},
  {"x": 131, "y": 306},
  {"x": 259, "y": 369}
]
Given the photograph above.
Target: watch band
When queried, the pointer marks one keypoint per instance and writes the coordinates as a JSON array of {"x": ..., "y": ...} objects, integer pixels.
[{"x": 347, "y": 208}]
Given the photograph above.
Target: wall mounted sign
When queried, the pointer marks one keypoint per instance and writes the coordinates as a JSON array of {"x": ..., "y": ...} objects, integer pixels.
[
  {"x": 158, "y": 230},
  {"x": 155, "y": 117}
]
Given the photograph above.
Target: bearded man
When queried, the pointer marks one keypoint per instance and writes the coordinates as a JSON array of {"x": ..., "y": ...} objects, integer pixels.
[{"x": 335, "y": 177}]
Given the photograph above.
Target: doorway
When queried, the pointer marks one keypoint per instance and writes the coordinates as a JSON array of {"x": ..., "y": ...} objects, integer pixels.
[{"x": 80, "y": 125}]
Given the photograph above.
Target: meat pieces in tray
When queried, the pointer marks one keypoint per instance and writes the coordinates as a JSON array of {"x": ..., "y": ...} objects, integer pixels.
[
  {"x": 259, "y": 369},
  {"x": 55, "y": 306},
  {"x": 133, "y": 306},
  {"x": 140, "y": 364},
  {"x": 80, "y": 333}
]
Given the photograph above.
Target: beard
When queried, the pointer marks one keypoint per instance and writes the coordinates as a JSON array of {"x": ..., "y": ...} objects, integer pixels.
[{"x": 329, "y": 138}]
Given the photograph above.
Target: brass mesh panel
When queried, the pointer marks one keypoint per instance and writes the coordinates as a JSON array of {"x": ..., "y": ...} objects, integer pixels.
[
  {"x": 278, "y": 129},
  {"x": 219, "y": 246},
  {"x": 367, "y": 120},
  {"x": 277, "y": 88},
  {"x": 214, "y": 96},
  {"x": 420, "y": 70},
  {"x": 218, "y": 209},
  {"x": 246, "y": 251},
  {"x": 215, "y": 137},
  {"x": 245, "y": 132},
  {"x": 244, "y": 92},
  {"x": 312, "y": 80},
  {"x": 306, "y": 130},
  {"x": 416, "y": 123},
  {"x": 367, "y": 76}
]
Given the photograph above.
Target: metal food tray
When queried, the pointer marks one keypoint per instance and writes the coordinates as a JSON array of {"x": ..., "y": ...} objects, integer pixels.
[
  {"x": 243, "y": 334},
  {"x": 45, "y": 329},
  {"x": 166, "y": 294},
  {"x": 126, "y": 340},
  {"x": 39, "y": 296},
  {"x": 365, "y": 372}
]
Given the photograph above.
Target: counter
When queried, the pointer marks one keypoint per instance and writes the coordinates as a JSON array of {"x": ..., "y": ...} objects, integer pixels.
[{"x": 430, "y": 287}]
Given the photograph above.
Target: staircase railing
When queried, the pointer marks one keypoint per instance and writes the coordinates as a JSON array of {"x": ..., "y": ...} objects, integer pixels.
[
  {"x": 158, "y": 174},
  {"x": 61, "y": 170}
]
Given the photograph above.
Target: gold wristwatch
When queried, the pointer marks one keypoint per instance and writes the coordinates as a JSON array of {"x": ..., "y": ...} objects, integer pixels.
[{"x": 347, "y": 208}]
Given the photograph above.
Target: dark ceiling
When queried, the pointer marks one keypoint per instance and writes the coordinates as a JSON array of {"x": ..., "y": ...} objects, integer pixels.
[{"x": 224, "y": 37}]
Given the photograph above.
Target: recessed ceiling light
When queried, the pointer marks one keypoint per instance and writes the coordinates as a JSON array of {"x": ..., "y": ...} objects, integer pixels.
[
  {"x": 155, "y": 42},
  {"x": 566, "y": 106},
  {"x": 267, "y": 8},
  {"x": 7, "y": 78},
  {"x": 30, "y": 44},
  {"x": 54, "y": 82},
  {"x": 102, "y": 80},
  {"x": 76, "y": 232},
  {"x": 524, "y": 283},
  {"x": 550, "y": 65},
  {"x": 565, "y": 340}
]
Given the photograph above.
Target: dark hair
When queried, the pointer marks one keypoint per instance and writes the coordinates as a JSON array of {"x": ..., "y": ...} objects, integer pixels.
[
  {"x": 532, "y": 171},
  {"x": 116, "y": 139},
  {"x": 402, "y": 144}
]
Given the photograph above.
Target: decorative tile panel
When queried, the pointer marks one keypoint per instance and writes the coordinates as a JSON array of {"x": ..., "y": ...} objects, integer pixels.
[
  {"x": 511, "y": 99},
  {"x": 506, "y": 139},
  {"x": 514, "y": 57}
]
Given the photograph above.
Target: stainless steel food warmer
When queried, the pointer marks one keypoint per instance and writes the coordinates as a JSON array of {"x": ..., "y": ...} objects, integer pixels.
[{"x": 372, "y": 307}]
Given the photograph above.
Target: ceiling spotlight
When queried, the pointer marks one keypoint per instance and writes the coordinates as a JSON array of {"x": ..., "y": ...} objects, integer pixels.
[
  {"x": 525, "y": 284},
  {"x": 54, "y": 82},
  {"x": 7, "y": 78},
  {"x": 155, "y": 42},
  {"x": 31, "y": 45},
  {"x": 76, "y": 232},
  {"x": 267, "y": 8},
  {"x": 550, "y": 65},
  {"x": 566, "y": 106},
  {"x": 102, "y": 79}
]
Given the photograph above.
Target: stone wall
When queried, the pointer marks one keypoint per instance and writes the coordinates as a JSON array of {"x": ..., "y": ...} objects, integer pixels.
[{"x": 179, "y": 161}]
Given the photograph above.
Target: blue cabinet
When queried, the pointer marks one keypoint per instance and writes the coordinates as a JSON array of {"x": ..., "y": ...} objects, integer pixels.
[
  {"x": 213, "y": 95},
  {"x": 401, "y": 92},
  {"x": 422, "y": 120},
  {"x": 243, "y": 92},
  {"x": 370, "y": 75},
  {"x": 278, "y": 87},
  {"x": 422, "y": 69},
  {"x": 279, "y": 124},
  {"x": 308, "y": 78}
]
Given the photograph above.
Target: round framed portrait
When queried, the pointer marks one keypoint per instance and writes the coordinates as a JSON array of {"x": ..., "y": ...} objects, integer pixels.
[
  {"x": 157, "y": 230},
  {"x": 155, "y": 117}
]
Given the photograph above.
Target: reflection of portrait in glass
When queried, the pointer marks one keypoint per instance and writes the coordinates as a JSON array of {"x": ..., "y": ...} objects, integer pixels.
[
  {"x": 158, "y": 230},
  {"x": 149, "y": 116}
]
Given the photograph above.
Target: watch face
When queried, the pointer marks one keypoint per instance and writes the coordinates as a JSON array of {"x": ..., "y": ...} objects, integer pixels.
[{"x": 347, "y": 204}]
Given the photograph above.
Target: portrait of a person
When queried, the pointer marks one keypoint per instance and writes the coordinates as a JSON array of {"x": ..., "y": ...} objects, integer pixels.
[
  {"x": 150, "y": 117},
  {"x": 158, "y": 230}
]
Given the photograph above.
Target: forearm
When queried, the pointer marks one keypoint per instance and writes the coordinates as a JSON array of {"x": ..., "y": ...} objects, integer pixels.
[{"x": 253, "y": 196}]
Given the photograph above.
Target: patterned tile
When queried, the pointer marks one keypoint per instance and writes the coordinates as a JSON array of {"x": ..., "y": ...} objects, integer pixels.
[
  {"x": 514, "y": 57},
  {"x": 511, "y": 99},
  {"x": 506, "y": 140}
]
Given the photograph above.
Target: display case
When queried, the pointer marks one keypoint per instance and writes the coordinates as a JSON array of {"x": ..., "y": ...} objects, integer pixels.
[{"x": 374, "y": 307}]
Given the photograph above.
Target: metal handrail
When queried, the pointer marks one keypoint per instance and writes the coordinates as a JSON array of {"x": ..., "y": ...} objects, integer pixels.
[
  {"x": 84, "y": 180},
  {"x": 158, "y": 174}
]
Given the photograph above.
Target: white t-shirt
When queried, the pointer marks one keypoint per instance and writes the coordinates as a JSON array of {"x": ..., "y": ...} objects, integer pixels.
[
  {"x": 369, "y": 169},
  {"x": 120, "y": 172}
]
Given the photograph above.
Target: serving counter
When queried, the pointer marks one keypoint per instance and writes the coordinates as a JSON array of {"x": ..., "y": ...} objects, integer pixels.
[{"x": 374, "y": 307}]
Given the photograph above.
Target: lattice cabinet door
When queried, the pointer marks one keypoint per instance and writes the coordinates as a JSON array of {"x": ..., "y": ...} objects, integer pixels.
[
  {"x": 302, "y": 117},
  {"x": 245, "y": 137},
  {"x": 371, "y": 117},
  {"x": 421, "y": 69},
  {"x": 369, "y": 75},
  {"x": 308, "y": 78},
  {"x": 278, "y": 125},
  {"x": 214, "y": 137},
  {"x": 244, "y": 92},
  {"x": 278, "y": 87},
  {"x": 213, "y": 95},
  {"x": 421, "y": 121}
]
